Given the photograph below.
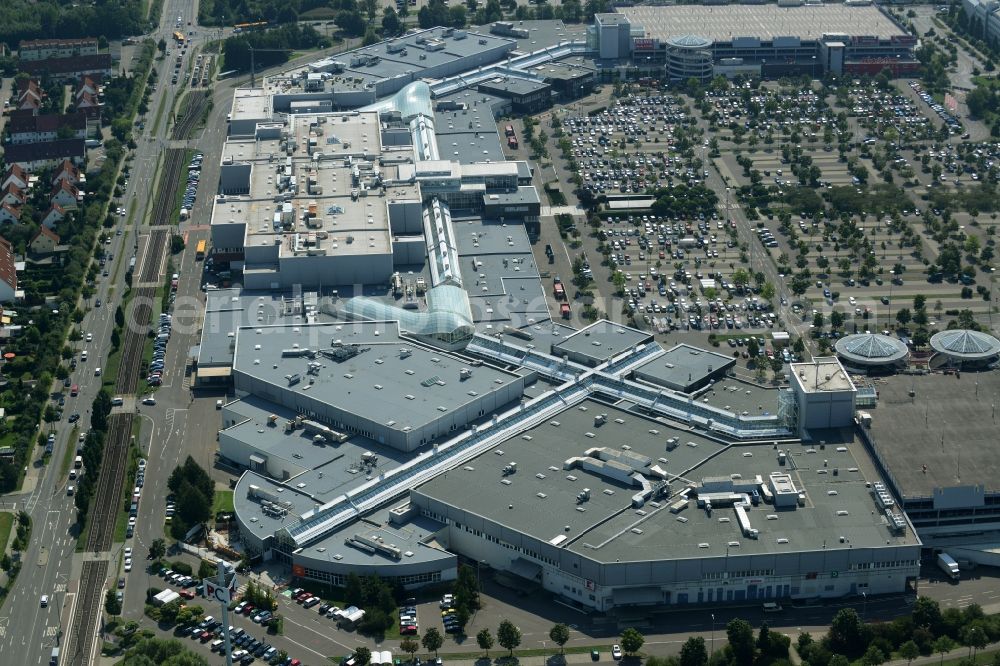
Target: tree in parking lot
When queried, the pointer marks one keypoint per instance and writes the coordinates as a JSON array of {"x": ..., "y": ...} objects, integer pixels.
[
  {"x": 693, "y": 652},
  {"x": 206, "y": 570},
  {"x": 432, "y": 640},
  {"x": 157, "y": 549},
  {"x": 509, "y": 636},
  {"x": 169, "y": 611},
  {"x": 903, "y": 316},
  {"x": 632, "y": 640},
  {"x": 559, "y": 634},
  {"x": 485, "y": 640},
  {"x": 741, "y": 642},
  {"x": 362, "y": 655},
  {"x": 836, "y": 319},
  {"x": 189, "y": 614},
  {"x": 111, "y": 604},
  {"x": 409, "y": 646},
  {"x": 909, "y": 651}
]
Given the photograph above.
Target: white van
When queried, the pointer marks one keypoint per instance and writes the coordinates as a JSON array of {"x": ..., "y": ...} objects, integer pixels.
[
  {"x": 116, "y": 402},
  {"x": 217, "y": 645},
  {"x": 83, "y": 355},
  {"x": 69, "y": 490},
  {"x": 771, "y": 607},
  {"x": 97, "y": 372}
]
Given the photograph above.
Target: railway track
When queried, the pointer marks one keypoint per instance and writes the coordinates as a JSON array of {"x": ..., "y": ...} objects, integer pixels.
[
  {"x": 106, "y": 504},
  {"x": 83, "y": 632},
  {"x": 197, "y": 99},
  {"x": 163, "y": 205}
]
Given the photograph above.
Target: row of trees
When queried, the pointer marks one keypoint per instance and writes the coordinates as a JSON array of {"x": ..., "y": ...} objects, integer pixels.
[
  {"x": 40, "y": 350},
  {"x": 194, "y": 493},
  {"x": 377, "y": 596},
  {"x": 92, "y": 454},
  {"x": 56, "y": 19},
  {"x": 276, "y": 45}
]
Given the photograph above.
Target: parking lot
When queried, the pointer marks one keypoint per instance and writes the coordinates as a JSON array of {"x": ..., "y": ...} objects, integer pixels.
[{"x": 846, "y": 200}]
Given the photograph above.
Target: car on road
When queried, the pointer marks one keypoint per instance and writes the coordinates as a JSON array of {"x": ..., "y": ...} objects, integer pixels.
[
  {"x": 74, "y": 417},
  {"x": 616, "y": 652},
  {"x": 90, "y": 337},
  {"x": 149, "y": 400}
]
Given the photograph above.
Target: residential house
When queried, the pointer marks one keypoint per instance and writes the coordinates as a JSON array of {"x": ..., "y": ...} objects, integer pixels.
[
  {"x": 65, "y": 194},
  {"x": 45, "y": 241},
  {"x": 41, "y": 49},
  {"x": 88, "y": 105},
  {"x": 29, "y": 95},
  {"x": 70, "y": 68},
  {"x": 15, "y": 175},
  {"x": 33, "y": 156},
  {"x": 68, "y": 172},
  {"x": 53, "y": 216},
  {"x": 88, "y": 85},
  {"x": 47, "y": 127},
  {"x": 12, "y": 195},
  {"x": 9, "y": 214},
  {"x": 8, "y": 272}
]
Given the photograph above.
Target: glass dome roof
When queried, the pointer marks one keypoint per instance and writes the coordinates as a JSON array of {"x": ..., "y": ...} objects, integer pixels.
[
  {"x": 448, "y": 316},
  {"x": 413, "y": 100},
  {"x": 964, "y": 343}
]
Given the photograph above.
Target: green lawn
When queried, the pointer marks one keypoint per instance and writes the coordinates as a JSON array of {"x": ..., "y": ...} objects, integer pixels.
[
  {"x": 6, "y": 524},
  {"x": 121, "y": 524},
  {"x": 159, "y": 116},
  {"x": 69, "y": 454},
  {"x": 223, "y": 502}
]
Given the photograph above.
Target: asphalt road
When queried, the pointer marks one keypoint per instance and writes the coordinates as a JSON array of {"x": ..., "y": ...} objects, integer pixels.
[{"x": 28, "y": 631}]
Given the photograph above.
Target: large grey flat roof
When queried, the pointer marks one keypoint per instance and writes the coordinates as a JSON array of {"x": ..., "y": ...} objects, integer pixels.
[
  {"x": 725, "y": 23},
  {"x": 475, "y": 237},
  {"x": 330, "y": 470},
  {"x": 738, "y": 396},
  {"x": 683, "y": 365},
  {"x": 523, "y": 303},
  {"x": 602, "y": 340},
  {"x": 380, "y": 384},
  {"x": 415, "y": 539},
  {"x": 470, "y": 145},
  {"x": 513, "y": 85},
  {"x": 948, "y": 425},
  {"x": 545, "y": 33},
  {"x": 604, "y": 529},
  {"x": 226, "y": 310}
]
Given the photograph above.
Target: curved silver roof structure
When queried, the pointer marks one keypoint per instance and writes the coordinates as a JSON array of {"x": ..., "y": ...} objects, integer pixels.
[
  {"x": 689, "y": 42},
  {"x": 965, "y": 345},
  {"x": 871, "y": 349},
  {"x": 448, "y": 317},
  {"x": 413, "y": 100}
]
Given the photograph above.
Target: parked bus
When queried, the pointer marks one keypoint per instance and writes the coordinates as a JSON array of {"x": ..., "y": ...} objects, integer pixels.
[
  {"x": 243, "y": 27},
  {"x": 199, "y": 252}
]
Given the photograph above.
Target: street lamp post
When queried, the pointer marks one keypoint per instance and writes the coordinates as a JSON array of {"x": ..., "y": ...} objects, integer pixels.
[
  {"x": 864, "y": 607},
  {"x": 713, "y": 635}
]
